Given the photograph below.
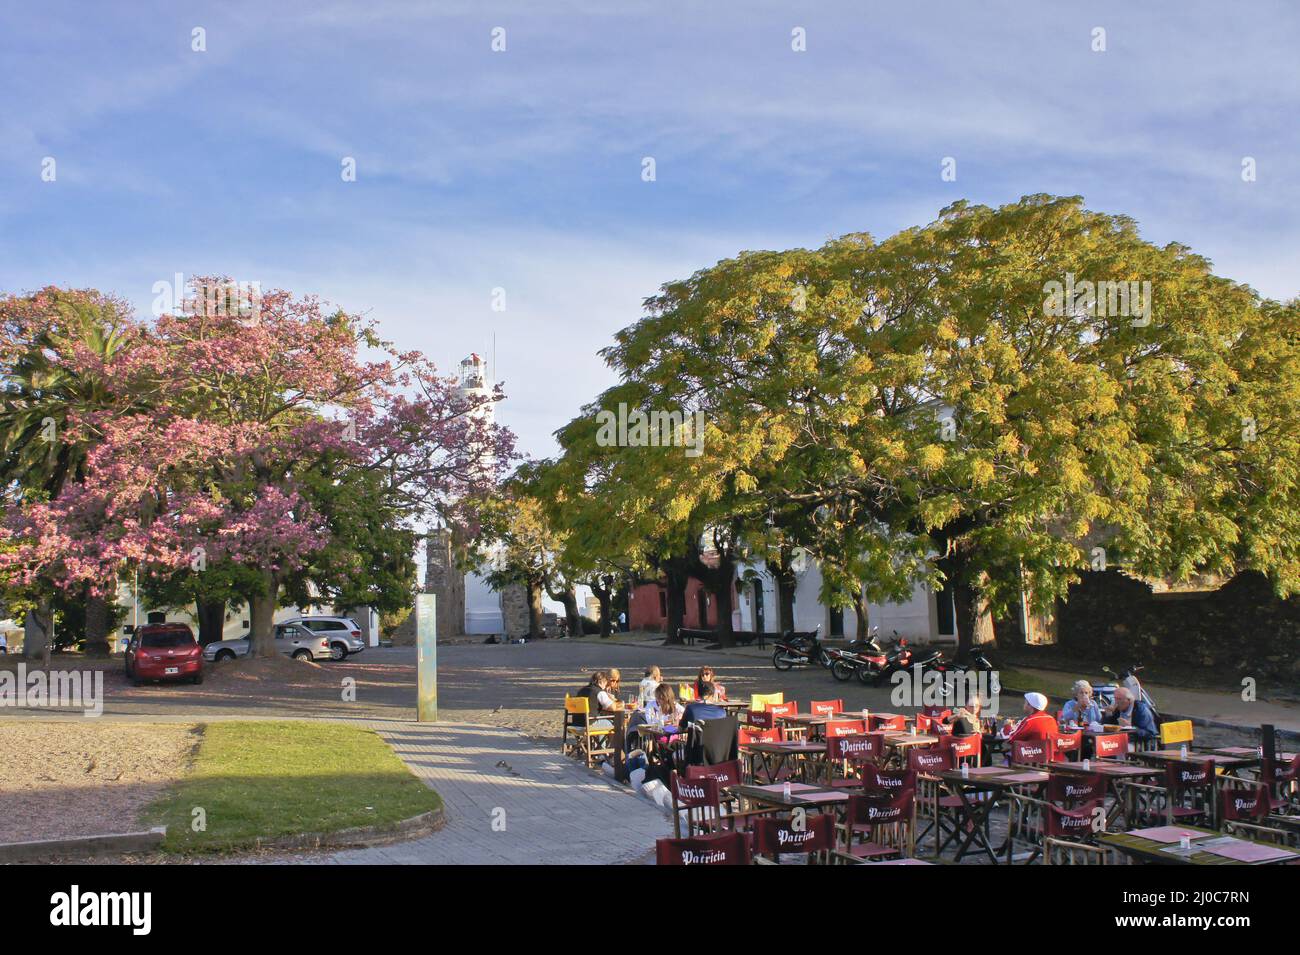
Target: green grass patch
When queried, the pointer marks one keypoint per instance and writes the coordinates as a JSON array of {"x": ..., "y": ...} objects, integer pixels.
[
  {"x": 1053, "y": 685},
  {"x": 263, "y": 780}
]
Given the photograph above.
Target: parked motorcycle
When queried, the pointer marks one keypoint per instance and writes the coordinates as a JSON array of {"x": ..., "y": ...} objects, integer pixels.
[
  {"x": 800, "y": 650},
  {"x": 857, "y": 660},
  {"x": 1127, "y": 678}
]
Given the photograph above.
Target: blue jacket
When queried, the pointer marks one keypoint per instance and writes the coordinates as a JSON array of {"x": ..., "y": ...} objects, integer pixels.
[{"x": 698, "y": 712}]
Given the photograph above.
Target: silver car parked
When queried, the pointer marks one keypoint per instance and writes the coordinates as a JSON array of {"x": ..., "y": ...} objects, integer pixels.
[
  {"x": 290, "y": 639},
  {"x": 343, "y": 633}
]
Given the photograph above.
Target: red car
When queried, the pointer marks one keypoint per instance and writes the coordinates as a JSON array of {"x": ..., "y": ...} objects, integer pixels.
[{"x": 164, "y": 651}]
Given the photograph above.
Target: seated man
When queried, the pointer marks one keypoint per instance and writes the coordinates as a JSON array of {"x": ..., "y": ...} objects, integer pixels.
[
  {"x": 1128, "y": 711},
  {"x": 705, "y": 708},
  {"x": 1037, "y": 725}
]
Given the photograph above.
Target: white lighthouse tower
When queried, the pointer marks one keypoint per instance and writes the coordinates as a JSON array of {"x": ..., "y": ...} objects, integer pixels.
[{"x": 483, "y": 612}]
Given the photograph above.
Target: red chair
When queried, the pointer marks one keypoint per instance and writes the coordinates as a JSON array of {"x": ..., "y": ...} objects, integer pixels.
[
  {"x": 1071, "y": 789},
  {"x": 752, "y": 734},
  {"x": 699, "y": 801},
  {"x": 893, "y": 724},
  {"x": 841, "y": 751},
  {"x": 887, "y": 781},
  {"x": 826, "y": 707},
  {"x": 930, "y": 761},
  {"x": 763, "y": 719},
  {"x": 1031, "y": 752},
  {"x": 1187, "y": 795},
  {"x": 1244, "y": 804},
  {"x": 774, "y": 835},
  {"x": 1283, "y": 783},
  {"x": 888, "y": 825},
  {"x": 1110, "y": 745},
  {"x": 726, "y": 848},
  {"x": 844, "y": 728},
  {"x": 964, "y": 749},
  {"x": 1067, "y": 745},
  {"x": 936, "y": 712},
  {"x": 724, "y": 774},
  {"x": 1077, "y": 824},
  {"x": 782, "y": 709},
  {"x": 925, "y": 724}
]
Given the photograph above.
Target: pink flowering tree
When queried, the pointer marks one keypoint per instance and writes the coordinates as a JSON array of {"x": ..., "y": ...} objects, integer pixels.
[{"x": 260, "y": 411}]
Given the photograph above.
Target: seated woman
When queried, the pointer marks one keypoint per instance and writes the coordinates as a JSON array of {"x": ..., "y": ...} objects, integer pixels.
[
  {"x": 615, "y": 682},
  {"x": 707, "y": 676},
  {"x": 1080, "y": 709},
  {"x": 662, "y": 709},
  {"x": 600, "y": 702},
  {"x": 646, "y": 690},
  {"x": 965, "y": 720}
]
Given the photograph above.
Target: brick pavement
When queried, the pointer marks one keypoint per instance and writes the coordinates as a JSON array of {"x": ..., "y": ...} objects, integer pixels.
[{"x": 555, "y": 811}]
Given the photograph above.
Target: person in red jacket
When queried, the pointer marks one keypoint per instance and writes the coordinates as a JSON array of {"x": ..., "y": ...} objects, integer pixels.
[{"x": 1037, "y": 724}]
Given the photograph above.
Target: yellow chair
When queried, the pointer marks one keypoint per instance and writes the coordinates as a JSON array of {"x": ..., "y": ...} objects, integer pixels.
[
  {"x": 758, "y": 702},
  {"x": 579, "y": 736},
  {"x": 1179, "y": 731},
  {"x": 685, "y": 692}
]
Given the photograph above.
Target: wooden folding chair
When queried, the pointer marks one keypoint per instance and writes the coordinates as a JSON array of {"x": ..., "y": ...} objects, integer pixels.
[
  {"x": 826, "y": 707},
  {"x": 759, "y": 701},
  {"x": 1175, "y": 733},
  {"x": 887, "y": 825},
  {"x": 580, "y": 737},
  {"x": 1066, "y": 852}
]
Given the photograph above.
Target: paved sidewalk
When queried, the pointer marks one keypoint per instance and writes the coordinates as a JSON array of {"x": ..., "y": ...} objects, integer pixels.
[{"x": 555, "y": 811}]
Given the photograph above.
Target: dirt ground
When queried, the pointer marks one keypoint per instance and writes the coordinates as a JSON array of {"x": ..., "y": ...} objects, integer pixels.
[{"x": 81, "y": 778}]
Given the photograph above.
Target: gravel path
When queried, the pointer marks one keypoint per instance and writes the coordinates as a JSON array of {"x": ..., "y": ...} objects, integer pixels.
[{"x": 62, "y": 779}]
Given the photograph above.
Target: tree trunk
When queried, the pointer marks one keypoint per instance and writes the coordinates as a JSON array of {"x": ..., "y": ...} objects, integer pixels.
[
  {"x": 606, "y": 611},
  {"x": 862, "y": 610},
  {"x": 96, "y": 625},
  {"x": 675, "y": 579},
  {"x": 535, "y": 631},
  {"x": 261, "y": 617},
  {"x": 786, "y": 582},
  {"x": 37, "y": 628},
  {"x": 725, "y": 594},
  {"x": 212, "y": 620}
]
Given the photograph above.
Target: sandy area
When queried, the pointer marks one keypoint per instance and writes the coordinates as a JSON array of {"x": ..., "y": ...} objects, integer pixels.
[{"x": 81, "y": 778}]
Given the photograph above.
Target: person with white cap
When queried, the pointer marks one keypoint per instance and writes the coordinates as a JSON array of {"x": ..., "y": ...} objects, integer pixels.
[{"x": 1037, "y": 725}]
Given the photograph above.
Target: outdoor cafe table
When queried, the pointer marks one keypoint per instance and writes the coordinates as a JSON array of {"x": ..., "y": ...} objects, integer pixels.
[
  {"x": 772, "y": 758},
  {"x": 989, "y": 785},
  {"x": 802, "y": 796},
  {"x": 1249, "y": 752},
  {"x": 1113, "y": 772},
  {"x": 1228, "y": 764},
  {"x": 1160, "y": 846}
]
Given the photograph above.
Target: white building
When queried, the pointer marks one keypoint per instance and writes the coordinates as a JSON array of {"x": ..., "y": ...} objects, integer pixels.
[{"x": 927, "y": 616}]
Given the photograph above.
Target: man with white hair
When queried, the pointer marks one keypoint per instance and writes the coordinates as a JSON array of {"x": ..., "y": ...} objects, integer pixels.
[
  {"x": 1037, "y": 725},
  {"x": 1129, "y": 711}
]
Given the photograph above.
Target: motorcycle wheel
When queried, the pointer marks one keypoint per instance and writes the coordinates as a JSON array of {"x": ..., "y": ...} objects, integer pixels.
[
  {"x": 841, "y": 670},
  {"x": 825, "y": 659},
  {"x": 781, "y": 660},
  {"x": 869, "y": 677}
]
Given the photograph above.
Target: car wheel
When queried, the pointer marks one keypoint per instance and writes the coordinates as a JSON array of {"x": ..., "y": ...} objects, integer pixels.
[
  {"x": 338, "y": 651},
  {"x": 302, "y": 654},
  {"x": 198, "y": 678},
  {"x": 224, "y": 655}
]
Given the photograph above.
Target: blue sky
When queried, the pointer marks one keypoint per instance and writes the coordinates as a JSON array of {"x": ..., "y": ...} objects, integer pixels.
[{"x": 522, "y": 169}]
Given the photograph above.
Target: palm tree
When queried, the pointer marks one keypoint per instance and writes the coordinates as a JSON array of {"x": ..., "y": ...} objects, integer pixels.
[{"x": 54, "y": 347}]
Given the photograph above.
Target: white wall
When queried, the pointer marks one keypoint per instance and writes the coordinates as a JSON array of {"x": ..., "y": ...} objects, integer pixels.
[{"x": 913, "y": 618}]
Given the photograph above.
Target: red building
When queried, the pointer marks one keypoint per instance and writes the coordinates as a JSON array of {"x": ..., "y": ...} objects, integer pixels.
[{"x": 648, "y": 607}]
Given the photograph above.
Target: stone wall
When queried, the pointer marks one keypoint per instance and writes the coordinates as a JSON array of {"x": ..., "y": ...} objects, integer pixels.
[
  {"x": 1241, "y": 628},
  {"x": 514, "y": 610}
]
